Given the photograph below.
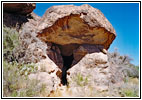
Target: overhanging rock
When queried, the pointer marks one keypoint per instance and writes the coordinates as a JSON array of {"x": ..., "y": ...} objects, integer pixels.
[{"x": 69, "y": 24}]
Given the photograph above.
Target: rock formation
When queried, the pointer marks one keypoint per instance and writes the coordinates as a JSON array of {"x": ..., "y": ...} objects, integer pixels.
[
  {"x": 48, "y": 74},
  {"x": 15, "y": 14},
  {"x": 19, "y": 8},
  {"x": 75, "y": 38},
  {"x": 70, "y": 24},
  {"x": 32, "y": 50},
  {"x": 94, "y": 70},
  {"x": 82, "y": 35}
]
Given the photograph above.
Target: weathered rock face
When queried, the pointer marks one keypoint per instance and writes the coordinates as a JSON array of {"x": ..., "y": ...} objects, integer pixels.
[
  {"x": 33, "y": 48},
  {"x": 68, "y": 24},
  {"x": 15, "y": 14},
  {"x": 19, "y": 8},
  {"x": 55, "y": 55},
  {"x": 48, "y": 74},
  {"x": 84, "y": 49},
  {"x": 82, "y": 35},
  {"x": 92, "y": 70}
]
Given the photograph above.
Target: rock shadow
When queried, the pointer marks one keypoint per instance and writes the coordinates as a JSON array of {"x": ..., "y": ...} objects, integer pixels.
[{"x": 66, "y": 57}]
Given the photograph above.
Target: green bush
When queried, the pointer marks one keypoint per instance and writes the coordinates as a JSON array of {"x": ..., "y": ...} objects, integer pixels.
[
  {"x": 10, "y": 43},
  {"x": 80, "y": 80},
  {"x": 10, "y": 38},
  {"x": 134, "y": 72},
  {"x": 123, "y": 64},
  {"x": 26, "y": 69},
  {"x": 130, "y": 93},
  {"x": 17, "y": 85}
]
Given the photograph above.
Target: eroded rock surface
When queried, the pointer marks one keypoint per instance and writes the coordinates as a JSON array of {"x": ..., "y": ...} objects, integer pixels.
[
  {"x": 19, "y": 8},
  {"x": 15, "y": 14},
  {"x": 69, "y": 24},
  {"x": 55, "y": 55},
  {"x": 84, "y": 49},
  {"x": 48, "y": 74},
  {"x": 92, "y": 70},
  {"x": 83, "y": 35},
  {"x": 32, "y": 48}
]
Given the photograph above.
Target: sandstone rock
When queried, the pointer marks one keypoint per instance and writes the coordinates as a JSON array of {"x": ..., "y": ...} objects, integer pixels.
[
  {"x": 67, "y": 50},
  {"x": 47, "y": 75},
  {"x": 33, "y": 48},
  {"x": 55, "y": 55},
  {"x": 13, "y": 20},
  {"x": 15, "y": 14},
  {"x": 37, "y": 51},
  {"x": 34, "y": 52},
  {"x": 92, "y": 70},
  {"x": 84, "y": 49},
  {"x": 104, "y": 51},
  {"x": 85, "y": 33},
  {"x": 19, "y": 8},
  {"x": 69, "y": 24}
]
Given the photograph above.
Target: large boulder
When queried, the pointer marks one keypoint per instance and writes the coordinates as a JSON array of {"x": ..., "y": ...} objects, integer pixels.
[
  {"x": 19, "y": 8},
  {"x": 16, "y": 14},
  {"x": 92, "y": 70},
  {"x": 48, "y": 74},
  {"x": 69, "y": 24}
]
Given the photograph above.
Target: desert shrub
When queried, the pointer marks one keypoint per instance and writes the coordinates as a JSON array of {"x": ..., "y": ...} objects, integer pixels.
[
  {"x": 122, "y": 63},
  {"x": 123, "y": 71},
  {"x": 10, "y": 43},
  {"x": 134, "y": 71},
  {"x": 116, "y": 58},
  {"x": 130, "y": 88},
  {"x": 26, "y": 69},
  {"x": 10, "y": 39},
  {"x": 23, "y": 46},
  {"x": 80, "y": 80},
  {"x": 130, "y": 93},
  {"x": 15, "y": 84}
]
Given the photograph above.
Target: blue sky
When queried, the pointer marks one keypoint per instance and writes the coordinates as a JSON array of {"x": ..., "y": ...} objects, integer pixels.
[{"x": 124, "y": 17}]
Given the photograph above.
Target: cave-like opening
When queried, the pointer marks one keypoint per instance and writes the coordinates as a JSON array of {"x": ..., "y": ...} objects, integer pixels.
[
  {"x": 67, "y": 61},
  {"x": 62, "y": 56}
]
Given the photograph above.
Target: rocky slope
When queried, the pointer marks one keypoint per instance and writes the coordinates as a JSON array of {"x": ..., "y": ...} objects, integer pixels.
[{"x": 68, "y": 44}]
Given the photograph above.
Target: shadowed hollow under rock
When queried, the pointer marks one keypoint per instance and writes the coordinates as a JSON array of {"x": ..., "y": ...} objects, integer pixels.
[{"x": 65, "y": 57}]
